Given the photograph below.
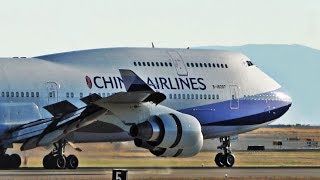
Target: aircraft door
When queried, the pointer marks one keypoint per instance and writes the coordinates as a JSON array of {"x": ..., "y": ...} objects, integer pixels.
[
  {"x": 178, "y": 63},
  {"x": 234, "y": 103},
  {"x": 52, "y": 91}
]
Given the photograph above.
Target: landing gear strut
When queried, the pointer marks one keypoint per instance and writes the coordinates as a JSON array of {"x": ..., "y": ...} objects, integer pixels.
[
  {"x": 57, "y": 160},
  {"x": 12, "y": 161},
  {"x": 226, "y": 158}
]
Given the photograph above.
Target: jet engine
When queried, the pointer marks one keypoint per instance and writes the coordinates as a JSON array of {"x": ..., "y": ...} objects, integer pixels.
[{"x": 168, "y": 133}]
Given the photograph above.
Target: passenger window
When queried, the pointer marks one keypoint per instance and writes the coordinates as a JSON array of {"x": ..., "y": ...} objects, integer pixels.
[
  {"x": 148, "y": 64},
  {"x": 17, "y": 94},
  {"x": 213, "y": 96},
  {"x": 170, "y": 64},
  {"x": 7, "y": 94},
  {"x": 152, "y": 63},
  {"x": 72, "y": 95},
  {"x": 196, "y": 64},
  {"x": 98, "y": 94},
  {"x": 205, "y": 96},
  {"x": 12, "y": 94},
  {"x": 174, "y": 96},
  {"x": 32, "y": 94},
  {"x": 22, "y": 94},
  {"x": 188, "y": 64},
  {"x": 188, "y": 96},
  {"x": 192, "y": 65},
  {"x": 196, "y": 96},
  {"x": 179, "y": 96},
  {"x": 161, "y": 64},
  {"x": 143, "y": 63},
  {"x": 67, "y": 95},
  {"x": 27, "y": 94},
  {"x": 226, "y": 66},
  {"x": 192, "y": 96},
  {"x": 183, "y": 96},
  {"x": 165, "y": 64},
  {"x": 81, "y": 95},
  {"x": 205, "y": 64},
  {"x": 218, "y": 66},
  {"x": 2, "y": 94},
  {"x": 135, "y": 63},
  {"x": 209, "y": 64},
  {"x": 209, "y": 96},
  {"x": 103, "y": 94},
  {"x": 170, "y": 96},
  {"x": 50, "y": 94},
  {"x": 217, "y": 96},
  {"x": 139, "y": 63},
  {"x": 200, "y": 64},
  {"x": 157, "y": 64},
  {"x": 200, "y": 96},
  {"x": 37, "y": 94},
  {"x": 108, "y": 94},
  {"x": 222, "y": 66}
]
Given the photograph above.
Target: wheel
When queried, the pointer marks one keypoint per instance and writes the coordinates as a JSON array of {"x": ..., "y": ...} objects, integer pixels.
[
  {"x": 219, "y": 160},
  {"x": 5, "y": 161},
  {"x": 72, "y": 162},
  {"x": 15, "y": 161},
  {"x": 47, "y": 161},
  {"x": 229, "y": 160},
  {"x": 59, "y": 162}
]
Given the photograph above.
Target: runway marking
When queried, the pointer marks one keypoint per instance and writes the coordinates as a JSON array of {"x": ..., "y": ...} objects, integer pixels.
[{"x": 175, "y": 172}]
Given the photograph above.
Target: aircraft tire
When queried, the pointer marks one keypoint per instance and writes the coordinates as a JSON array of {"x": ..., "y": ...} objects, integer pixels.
[
  {"x": 72, "y": 162},
  {"x": 59, "y": 162},
  {"x": 5, "y": 161},
  {"x": 47, "y": 164},
  {"x": 219, "y": 160},
  {"x": 229, "y": 160},
  {"x": 15, "y": 161}
]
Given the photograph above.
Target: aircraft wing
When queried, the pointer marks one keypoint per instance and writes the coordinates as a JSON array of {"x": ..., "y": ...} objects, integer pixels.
[{"x": 68, "y": 118}]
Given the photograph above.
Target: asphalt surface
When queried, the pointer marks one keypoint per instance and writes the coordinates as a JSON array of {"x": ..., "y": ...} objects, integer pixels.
[{"x": 162, "y": 173}]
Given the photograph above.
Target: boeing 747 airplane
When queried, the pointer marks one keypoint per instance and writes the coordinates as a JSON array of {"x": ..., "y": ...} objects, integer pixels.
[{"x": 165, "y": 100}]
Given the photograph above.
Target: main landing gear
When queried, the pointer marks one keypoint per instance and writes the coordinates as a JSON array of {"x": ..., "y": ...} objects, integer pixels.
[
  {"x": 12, "y": 161},
  {"x": 226, "y": 158},
  {"x": 57, "y": 160}
]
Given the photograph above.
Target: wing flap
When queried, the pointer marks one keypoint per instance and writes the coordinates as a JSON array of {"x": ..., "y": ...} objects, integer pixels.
[{"x": 60, "y": 108}]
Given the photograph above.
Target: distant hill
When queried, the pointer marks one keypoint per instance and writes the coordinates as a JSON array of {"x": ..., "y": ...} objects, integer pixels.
[{"x": 297, "y": 69}]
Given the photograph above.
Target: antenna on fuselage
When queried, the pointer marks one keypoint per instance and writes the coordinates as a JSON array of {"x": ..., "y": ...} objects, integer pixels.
[{"x": 152, "y": 44}]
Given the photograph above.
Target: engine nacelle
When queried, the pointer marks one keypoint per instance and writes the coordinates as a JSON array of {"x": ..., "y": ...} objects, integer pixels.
[
  {"x": 179, "y": 131},
  {"x": 176, "y": 152}
]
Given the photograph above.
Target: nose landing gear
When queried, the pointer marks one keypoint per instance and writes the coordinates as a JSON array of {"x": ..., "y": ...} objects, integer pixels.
[
  {"x": 225, "y": 159},
  {"x": 57, "y": 160}
]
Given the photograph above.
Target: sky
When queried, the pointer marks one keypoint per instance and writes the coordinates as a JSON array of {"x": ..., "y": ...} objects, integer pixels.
[{"x": 37, "y": 27}]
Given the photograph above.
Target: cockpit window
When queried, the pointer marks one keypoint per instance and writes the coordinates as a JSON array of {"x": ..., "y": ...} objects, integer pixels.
[{"x": 250, "y": 63}]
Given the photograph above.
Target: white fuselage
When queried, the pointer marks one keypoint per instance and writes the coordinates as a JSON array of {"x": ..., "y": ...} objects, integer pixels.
[{"x": 219, "y": 97}]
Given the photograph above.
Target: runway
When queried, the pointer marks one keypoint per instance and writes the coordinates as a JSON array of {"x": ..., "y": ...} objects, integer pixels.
[{"x": 163, "y": 173}]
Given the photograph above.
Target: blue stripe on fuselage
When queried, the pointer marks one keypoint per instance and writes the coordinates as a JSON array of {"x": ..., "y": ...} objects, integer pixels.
[{"x": 252, "y": 110}]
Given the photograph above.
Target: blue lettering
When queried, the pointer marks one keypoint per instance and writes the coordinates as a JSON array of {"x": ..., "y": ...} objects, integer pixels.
[
  {"x": 203, "y": 86},
  {"x": 193, "y": 83},
  {"x": 184, "y": 83},
  {"x": 107, "y": 82},
  {"x": 95, "y": 82}
]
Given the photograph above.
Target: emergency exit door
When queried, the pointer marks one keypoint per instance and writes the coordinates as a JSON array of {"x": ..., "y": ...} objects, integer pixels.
[
  {"x": 234, "y": 92},
  {"x": 178, "y": 63},
  {"x": 52, "y": 90}
]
